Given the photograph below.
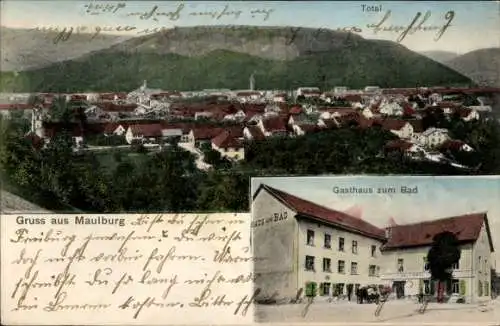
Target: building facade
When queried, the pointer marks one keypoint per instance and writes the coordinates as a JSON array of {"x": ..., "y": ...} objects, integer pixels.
[
  {"x": 405, "y": 251},
  {"x": 303, "y": 243}
]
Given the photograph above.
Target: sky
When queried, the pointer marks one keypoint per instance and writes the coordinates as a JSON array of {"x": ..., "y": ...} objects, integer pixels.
[
  {"x": 475, "y": 24},
  {"x": 438, "y": 197}
]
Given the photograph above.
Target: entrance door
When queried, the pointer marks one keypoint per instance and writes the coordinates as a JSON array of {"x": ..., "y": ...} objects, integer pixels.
[{"x": 399, "y": 288}]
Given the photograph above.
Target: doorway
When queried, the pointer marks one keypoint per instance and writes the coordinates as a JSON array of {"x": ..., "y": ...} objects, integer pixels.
[{"x": 399, "y": 288}]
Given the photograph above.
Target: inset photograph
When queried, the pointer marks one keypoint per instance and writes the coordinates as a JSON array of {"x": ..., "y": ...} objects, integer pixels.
[{"x": 362, "y": 249}]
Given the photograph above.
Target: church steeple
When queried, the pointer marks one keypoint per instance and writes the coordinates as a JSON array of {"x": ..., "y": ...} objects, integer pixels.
[{"x": 252, "y": 82}]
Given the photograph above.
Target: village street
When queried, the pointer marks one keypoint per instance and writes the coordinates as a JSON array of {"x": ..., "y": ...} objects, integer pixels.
[
  {"x": 200, "y": 163},
  {"x": 394, "y": 312}
]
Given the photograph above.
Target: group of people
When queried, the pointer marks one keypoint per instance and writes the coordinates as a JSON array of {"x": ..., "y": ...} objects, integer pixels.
[{"x": 371, "y": 294}]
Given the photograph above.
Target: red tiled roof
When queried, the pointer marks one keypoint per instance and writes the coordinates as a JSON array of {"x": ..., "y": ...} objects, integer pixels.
[
  {"x": 110, "y": 127},
  {"x": 248, "y": 93},
  {"x": 76, "y": 97},
  {"x": 256, "y": 133},
  {"x": 274, "y": 124},
  {"x": 295, "y": 110},
  {"x": 206, "y": 132},
  {"x": 393, "y": 124},
  {"x": 452, "y": 144},
  {"x": 463, "y": 112},
  {"x": 307, "y": 209},
  {"x": 184, "y": 126},
  {"x": 15, "y": 106},
  {"x": 465, "y": 227},
  {"x": 146, "y": 130},
  {"x": 113, "y": 107},
  {"x": 227, "y": 140},
  {"x": 417, "y": 125},
  {"x": 330, "y": 123},
  {"x": 308, "y": 128},
  {"x": 352, "y": 97},
  {"x": 408, "y": 109}
]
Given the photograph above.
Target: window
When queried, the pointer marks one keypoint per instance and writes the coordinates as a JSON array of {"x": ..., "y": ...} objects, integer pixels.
[
  {"x": 309, "y": 263},
  {"x": 325, "y": 288},
  {"x": 374, "y": 251},
  {"x": 354, "y": 247},
  {"x": 310, "y": 237},
  {"x": 327, "y": 265},
  {"x": 455, "y": 286},
  {"x": 427, "y": 287},
  {"x": 341, "y": 267},
  {"x": 354, "y": 268},
  {"x": 372, "y": 270},
  {"x": 479, "y": 267},
  {"x": 328, "y": 241},
  {"x": 426, "y": 264},
  {"x": 455, "y": 266},
  {"x": 341, "y": 244},
  {"x": 400, "y": 265},
  {"x": 378, "y": 271}
]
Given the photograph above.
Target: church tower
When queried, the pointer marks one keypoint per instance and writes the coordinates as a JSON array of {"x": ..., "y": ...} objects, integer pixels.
[
  {"x": 252, "y": 82},
  {"x": 37, "y": 122}
]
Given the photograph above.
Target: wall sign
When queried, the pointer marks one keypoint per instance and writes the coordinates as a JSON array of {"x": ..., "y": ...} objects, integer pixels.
[{"x": 276, "y": 217}]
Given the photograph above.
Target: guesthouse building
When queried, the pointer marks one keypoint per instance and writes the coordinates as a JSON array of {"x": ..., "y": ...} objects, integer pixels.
[{"x": 304, "y": 243}]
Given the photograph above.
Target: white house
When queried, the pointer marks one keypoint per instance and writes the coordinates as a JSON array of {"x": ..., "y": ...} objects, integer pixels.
[
  {"x": 308, "y": 91},
  {"x": 433, "y": 137},
  {"x": 248, "y": 96},
  {"x": 391, "y": 109},
  {"x": 468, "y": 114},
  {"x": 404, "y": 257},
  {"x": 306, "y": 244},
  {"x": 403, "y": 129},
  {"x": 114, "y": 129},
  {"x": 229, "y": 146},
  {"x": 151, "y": 133}
]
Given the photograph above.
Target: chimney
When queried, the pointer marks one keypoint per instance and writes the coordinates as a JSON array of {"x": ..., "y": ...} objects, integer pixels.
[{"x": 388, "y": 232}]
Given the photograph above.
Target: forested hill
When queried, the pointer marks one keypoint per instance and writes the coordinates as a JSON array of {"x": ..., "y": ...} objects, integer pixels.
[{"x": 197, "y": 58}]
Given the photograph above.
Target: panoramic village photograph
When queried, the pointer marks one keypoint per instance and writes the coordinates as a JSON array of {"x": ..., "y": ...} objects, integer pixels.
[
  {"x": 143, "y": 107},
  {"x": 376, "y": 249}
]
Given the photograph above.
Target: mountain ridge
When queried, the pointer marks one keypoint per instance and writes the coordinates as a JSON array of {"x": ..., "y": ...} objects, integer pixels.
[{"x": 282, "y": 57}]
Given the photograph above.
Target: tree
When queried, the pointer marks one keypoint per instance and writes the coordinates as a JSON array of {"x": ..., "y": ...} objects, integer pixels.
[{"x": 443, "y": 253}]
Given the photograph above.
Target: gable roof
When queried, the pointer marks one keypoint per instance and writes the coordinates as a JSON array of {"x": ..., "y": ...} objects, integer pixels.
[
  {"x": 394, "y": 124},
  {"x": 309, "y": 210},
  {"x": 465, "y": 227},
  {"x": 274, "y": 124},
  {"x": 256, "y": 133},
  {"x": 227, "y": 139},
  {"x": 146, "y": 130},
  {"x": 206, "y": 132}
]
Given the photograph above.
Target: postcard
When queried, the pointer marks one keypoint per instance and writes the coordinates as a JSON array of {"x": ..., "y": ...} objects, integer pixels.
[
  {"x": 113, "y": 112},
  {"x": 376, "y": 249}
]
